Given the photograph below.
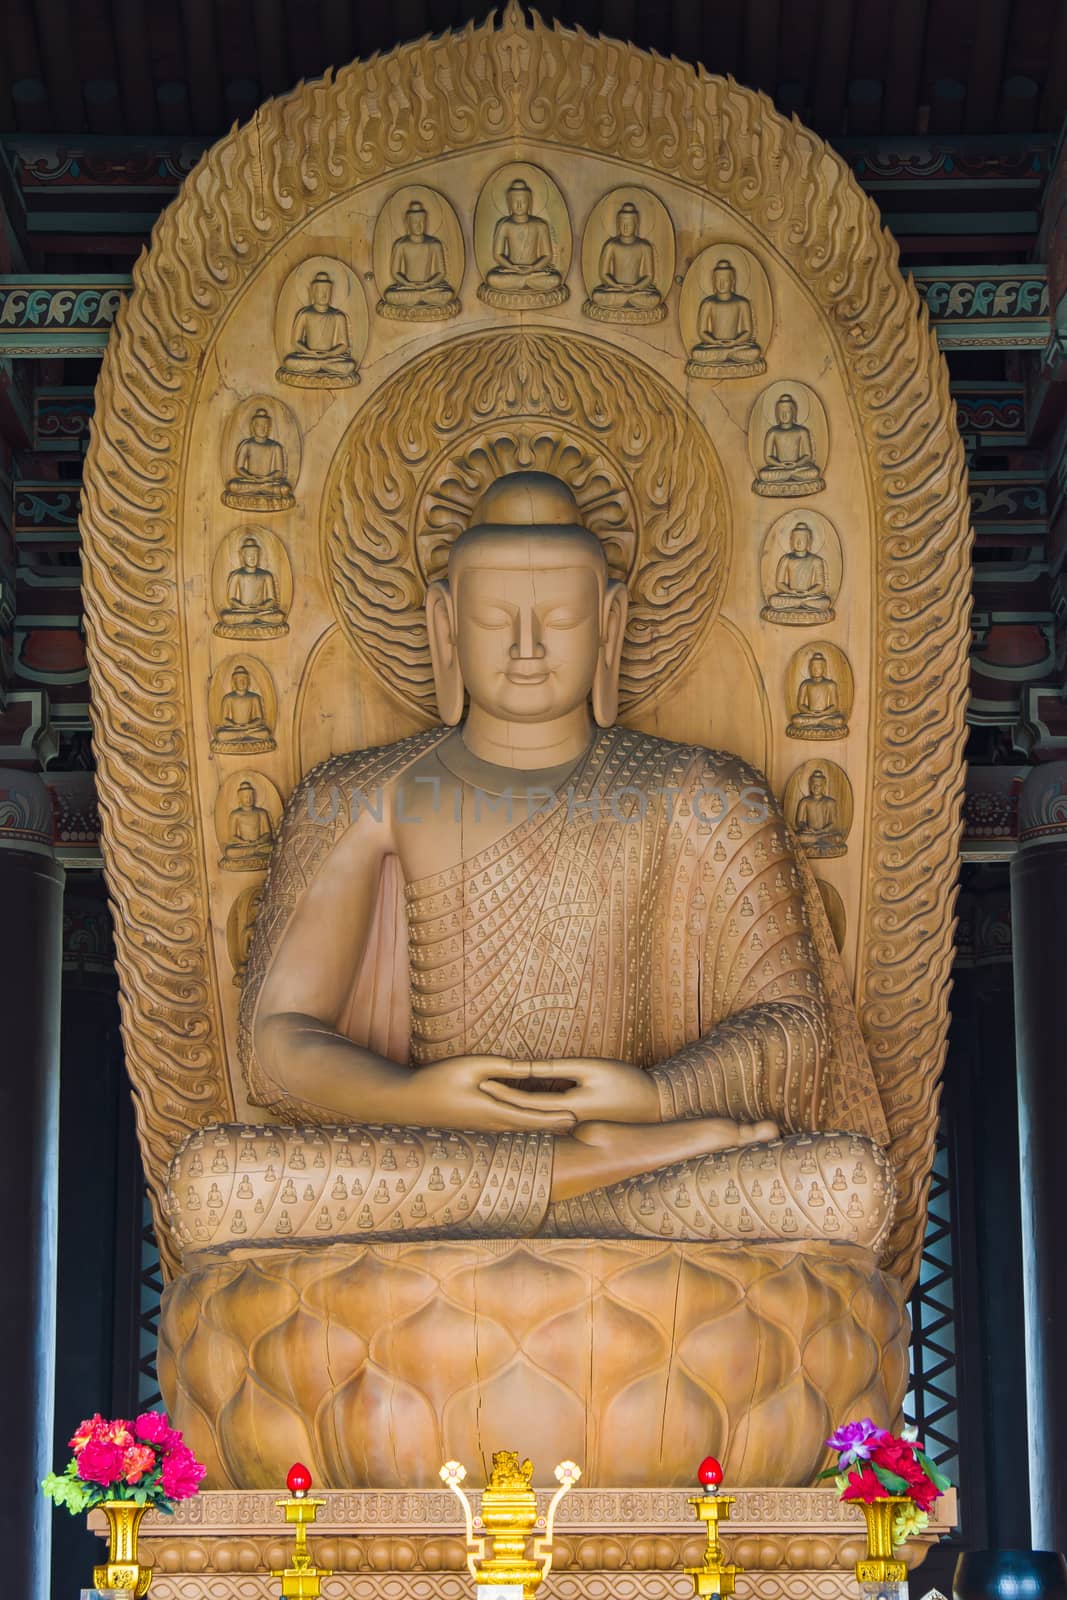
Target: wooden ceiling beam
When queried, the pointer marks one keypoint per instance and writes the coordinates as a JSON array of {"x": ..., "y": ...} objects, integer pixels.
[
  {"x": 338, "y": 35},
  {"x": 94, "y": 51},
  {"x": 55, "y": 37},
  {"x": 721, "y": 35},
  {"x": 1053, "y": 107},
  {"x": 136, "y": 78},
  {"x": 907, "y": 37},
  {"x": 797, "y": 40},
  {"x": 989, "y": 22},
  {"x": 831, "y": 67},
  {"x": 270, "y": 47},
  {"x": 22, "y": 68},
  {"x": 202, "y": 66},
  {"x": 760, "y": 59},
  {"x": 687, "y": 38}
]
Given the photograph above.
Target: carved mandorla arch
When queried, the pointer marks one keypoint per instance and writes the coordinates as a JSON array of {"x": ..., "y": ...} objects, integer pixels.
[{"x": 520, "y": 86}]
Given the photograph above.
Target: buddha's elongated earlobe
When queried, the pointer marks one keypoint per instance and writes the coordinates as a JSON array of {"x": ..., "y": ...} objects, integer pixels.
[
  {"x": 605, "y": 694},
  {"x": 444, "y": 656}
]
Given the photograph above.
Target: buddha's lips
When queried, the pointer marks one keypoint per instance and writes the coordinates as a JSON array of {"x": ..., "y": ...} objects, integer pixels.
[{"x": 527, "y": 677}]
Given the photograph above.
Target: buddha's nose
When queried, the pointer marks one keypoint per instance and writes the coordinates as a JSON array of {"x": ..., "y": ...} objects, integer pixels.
[{"x": 526, "y": 646}]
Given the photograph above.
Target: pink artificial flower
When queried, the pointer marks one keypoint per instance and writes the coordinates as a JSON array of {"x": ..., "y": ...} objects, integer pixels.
[
  {"x": 182, "y": 1473},
  {"x": 137, "y": 1459},
  {"x": 91, "y": 1428},
  {"x": 100, "y": 1461},
  {"x": 153, "y": 1427}
]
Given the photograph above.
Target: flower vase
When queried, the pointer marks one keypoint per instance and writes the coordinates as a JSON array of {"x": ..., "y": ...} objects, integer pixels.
[
  {"x": 879, "y": 1565},
  {"x": 122, "y": 1570}
]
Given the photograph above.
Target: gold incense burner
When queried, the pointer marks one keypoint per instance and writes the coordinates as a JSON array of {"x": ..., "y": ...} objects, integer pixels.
[
  {"x": 509, "y": 1517},
  {"x": 301, "y": 1579}
]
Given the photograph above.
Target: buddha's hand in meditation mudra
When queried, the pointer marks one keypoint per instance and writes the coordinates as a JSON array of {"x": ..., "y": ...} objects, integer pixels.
[
  {"x": 614, "y": 1111},
  {"x": 563, "y": 964}
]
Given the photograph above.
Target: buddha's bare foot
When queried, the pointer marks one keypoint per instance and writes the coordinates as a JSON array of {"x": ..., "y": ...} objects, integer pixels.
[{"x": 600, "y": 1153}]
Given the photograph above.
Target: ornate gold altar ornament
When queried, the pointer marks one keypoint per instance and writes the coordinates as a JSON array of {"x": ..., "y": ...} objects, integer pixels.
[
  {"x": 122, "y": 1571},
  {"x": 715, "y": 1575},
  {"x": 509, "y": 1517},
  {"x": 301, "y": 1579},
  {"x": 880, "y": 1570}
]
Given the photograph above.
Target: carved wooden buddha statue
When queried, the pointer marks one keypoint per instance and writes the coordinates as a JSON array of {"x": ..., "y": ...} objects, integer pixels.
[
  {"x": 727, "y": 345},
  {"x": 524, "y": 271},
  {"x": 418, "y": 286},
  {"x": 789, "y": 465},
  {"x": 539, "y": 973}
]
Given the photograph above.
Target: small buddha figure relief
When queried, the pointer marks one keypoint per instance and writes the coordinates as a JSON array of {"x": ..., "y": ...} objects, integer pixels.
[
  {"x": 251, "y": 837},
  {"x": 252, "y": 609},
  {"x": 240, "y": 726},
  {"x": 320, "y": 356},
  {"x": 627, "y": 288},
  {"x": 817, "y": 712},
  {"x": 789, "y": 465},
  {"x": 241, "y": 923},
  {"x": 726, "y": 345},
  {"x": 802, "y": 591},
  {"x": 259, "y": 481},
  {"x": 419, "y": 289},
  {"x": 817, "y": 817},
  {"x": 522, "y": 269}
]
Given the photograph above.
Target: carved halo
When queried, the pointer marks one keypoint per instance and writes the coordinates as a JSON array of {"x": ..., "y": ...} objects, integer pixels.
[
  {"x": 514, "y": 82},
  {"x": 410, "y": 471}
]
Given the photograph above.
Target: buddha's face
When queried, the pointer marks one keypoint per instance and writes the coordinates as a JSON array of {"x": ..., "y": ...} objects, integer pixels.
[
  {"x": 246, "y": 797},
  {"x": 723, "y": 281},
  {"x": 528, "y": 623},
  {"x": 416, "y": 224},
  {"x": 800, "y": 541},
  {"x": 260, "y": 427},
  {"x": 250, "y": 556},
  {"x": 627, "y": 221},
  {"x": 785, "y": 412},
  {"x": 240, "y": 681},
  {"x": 519, "y": 201},
  {"x": 818, "y": 785},
  {"x": 817, "y": 667},
  {"x": 321, "y": 294}
]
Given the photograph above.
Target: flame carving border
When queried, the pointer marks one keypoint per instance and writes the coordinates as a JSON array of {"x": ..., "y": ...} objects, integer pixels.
[
  {"x": 297, "y": 153},
  {"x": 553, "y": 392}
]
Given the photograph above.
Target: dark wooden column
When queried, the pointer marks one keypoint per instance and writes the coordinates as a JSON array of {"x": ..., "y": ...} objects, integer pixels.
[
  {"x": 100, "y": 1190},
  {"x": 31, "y": 923},
  {"x": 1039, "y": 934}
]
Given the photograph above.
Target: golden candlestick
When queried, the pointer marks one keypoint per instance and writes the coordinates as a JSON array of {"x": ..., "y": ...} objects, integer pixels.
[
  {"x": 715, "y": 1575},
  {"x": 509, "y": 1517},
  {"x": 302, "y": 1579}
]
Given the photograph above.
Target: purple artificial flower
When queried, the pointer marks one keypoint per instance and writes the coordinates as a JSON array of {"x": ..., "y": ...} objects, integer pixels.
[{"x": 856, "y": 1441}]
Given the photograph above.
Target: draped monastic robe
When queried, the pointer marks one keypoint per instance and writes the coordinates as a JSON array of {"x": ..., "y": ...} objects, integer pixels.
[{"x": 654, "y": 910}]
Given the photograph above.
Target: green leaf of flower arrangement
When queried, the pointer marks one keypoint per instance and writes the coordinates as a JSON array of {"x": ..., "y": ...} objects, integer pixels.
[
  {"x": 68, "y": 1490},
  {"x": 936, "y": 1477},
  {"x": 891, "y": 1482}
]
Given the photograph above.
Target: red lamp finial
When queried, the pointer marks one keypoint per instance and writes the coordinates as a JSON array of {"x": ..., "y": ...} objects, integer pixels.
[
  {"x": 299, "y": 1480},
  {"x": 709, "y": 1473}
]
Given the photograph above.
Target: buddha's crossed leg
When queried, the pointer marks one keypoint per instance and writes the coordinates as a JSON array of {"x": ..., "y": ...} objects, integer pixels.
[{"x": 241, "y": 1185}]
